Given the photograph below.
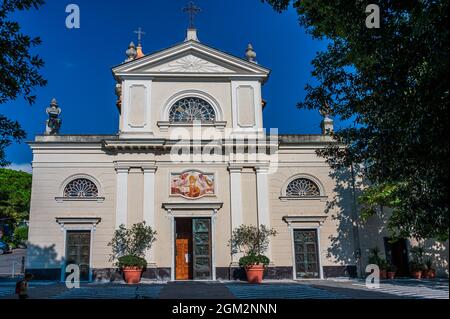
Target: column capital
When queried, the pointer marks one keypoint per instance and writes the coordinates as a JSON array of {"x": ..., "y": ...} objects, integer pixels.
[
  {"x": 235, "y": 168},
  {"x": 149, "y": 169},
  {"x": 149, "y": 165},
  {"x": 261, "y": 169},
  {"x": 122, "y": 167}
]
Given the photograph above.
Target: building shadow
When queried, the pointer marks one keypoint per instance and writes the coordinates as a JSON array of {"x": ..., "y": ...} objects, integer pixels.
[
  {"x": 353, "y": 239},
  {"x": 342, "y": 209},
  {"x": 43, "y": 262}
]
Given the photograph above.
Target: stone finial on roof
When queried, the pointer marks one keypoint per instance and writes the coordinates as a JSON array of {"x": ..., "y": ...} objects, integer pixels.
[
  {"x": 250, "y": 53},
  {"x": 131, "y": 52},
  {"x": 139, "y": 52}
]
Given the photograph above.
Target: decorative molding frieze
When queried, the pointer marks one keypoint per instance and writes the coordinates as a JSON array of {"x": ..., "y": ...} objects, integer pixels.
[
  {"x": 316, "y": 219},
  {"x": 192, "y": 205},
  {"x": 191, "y": 64},
  {"x": 91, "y": 221}
]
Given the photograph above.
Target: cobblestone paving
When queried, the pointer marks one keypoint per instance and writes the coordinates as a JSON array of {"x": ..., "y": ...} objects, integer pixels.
[{"x": 281, "y": 291}]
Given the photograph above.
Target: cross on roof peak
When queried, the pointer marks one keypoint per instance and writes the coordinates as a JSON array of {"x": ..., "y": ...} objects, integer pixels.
[
  {"x": 191, "y": 9},
  {"x": 140, "y": 33}
]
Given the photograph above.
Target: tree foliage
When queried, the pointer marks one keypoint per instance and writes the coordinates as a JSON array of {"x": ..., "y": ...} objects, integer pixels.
[
  {"x": 393, "y": 83},
  {"x": 251, "y": 240},
  {"x": 132, "y": 241},
  {"x": 9, "y": 131},
  {"x": 19, "y": 68},
  {"x": 20, "y": 235},
  {"x": 15, "y": 193}
]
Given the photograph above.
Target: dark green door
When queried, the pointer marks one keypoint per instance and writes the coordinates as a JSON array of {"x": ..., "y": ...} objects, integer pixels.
[
  {"x": 201, "y": 233},
  {"x": 78, "y": 250},
  {"x": 306, "y": 253}
]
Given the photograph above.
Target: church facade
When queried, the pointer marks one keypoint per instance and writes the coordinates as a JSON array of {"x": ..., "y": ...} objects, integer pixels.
[{"x": 192, "y": 160}]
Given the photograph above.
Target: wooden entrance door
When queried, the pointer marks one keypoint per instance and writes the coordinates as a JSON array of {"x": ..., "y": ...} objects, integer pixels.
[
  {"x": 183, "y": 249},
  {"x": 397, "y": 254},
  {"x": 182, "y": 259},
  {"x": 78, "y": 250},
  {"x": 193, "y": 249},
  {"x": 306, "y": 253}
]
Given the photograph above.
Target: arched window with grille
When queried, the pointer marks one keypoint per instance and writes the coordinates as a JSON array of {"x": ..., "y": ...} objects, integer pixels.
[
  {"x": 302, "y": 188},
  {"x": 190, "y": 109},
  {"x": 81, "y": 188}
]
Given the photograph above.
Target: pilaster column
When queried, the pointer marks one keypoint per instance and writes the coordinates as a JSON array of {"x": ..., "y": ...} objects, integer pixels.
[
  {"x": 149, "y": 207},
  {"x": 236, "y": 202},
  {"x": 122, "y": 194},
  {"x": 262, "y": 189}
]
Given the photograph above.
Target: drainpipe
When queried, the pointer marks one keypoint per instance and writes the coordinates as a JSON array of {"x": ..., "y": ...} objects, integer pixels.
[{"x": 355, "y": 227}]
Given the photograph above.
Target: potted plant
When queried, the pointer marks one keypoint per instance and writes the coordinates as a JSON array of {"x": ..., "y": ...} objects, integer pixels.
[
  {"x": 383, "y": 264},
  {"x": 376, "y": 259},
  {"x": 128, "y": 250},
  {"x": 253, "y": 241},
  {"x": 430, "y": 271},
  {"x": 417, "y": 264},
  {"x": 416, "y": 269},
  {"x": 391, "y": 271}
]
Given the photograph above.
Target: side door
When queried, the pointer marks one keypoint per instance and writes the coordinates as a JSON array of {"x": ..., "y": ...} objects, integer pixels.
[{"x": 78, "y": 251}]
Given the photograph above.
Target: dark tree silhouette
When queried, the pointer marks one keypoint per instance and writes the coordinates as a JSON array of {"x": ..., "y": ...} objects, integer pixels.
[
  {"x": 19, "y": 69},
  {"x": 393, "y": 83}
]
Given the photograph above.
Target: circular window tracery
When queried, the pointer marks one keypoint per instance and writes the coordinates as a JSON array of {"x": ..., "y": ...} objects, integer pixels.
[
  {"x": 302, "y": 187},
  {"x": 81, "y": 188},
  {"x": 190, "y": 109}
]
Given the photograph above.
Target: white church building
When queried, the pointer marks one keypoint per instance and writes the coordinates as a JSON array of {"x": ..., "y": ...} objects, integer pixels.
[{"x": 192, "y": 159}]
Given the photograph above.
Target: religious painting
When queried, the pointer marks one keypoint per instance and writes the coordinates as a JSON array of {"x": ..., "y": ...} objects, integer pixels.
[{"x": 192, "y": 184}]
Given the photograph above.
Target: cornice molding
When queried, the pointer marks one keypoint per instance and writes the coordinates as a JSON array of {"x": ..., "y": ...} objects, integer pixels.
[
  {"x": 291, "y": 219},
  {"x": 192, "y": 206}
]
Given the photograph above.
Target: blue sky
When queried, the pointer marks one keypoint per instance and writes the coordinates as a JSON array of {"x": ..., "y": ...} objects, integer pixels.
[{"x": 78, "y": 61}]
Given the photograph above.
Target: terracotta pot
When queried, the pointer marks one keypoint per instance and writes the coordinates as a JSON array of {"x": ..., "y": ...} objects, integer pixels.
[
  {"x": 383, "y": 274},
  {"x": 432, "y": 273},
  {"x": 132, "y": 275},
  {"x": 429, "y": 274},
  {"x": 255, "y": 274},
  {"x": 417, "y": 274},
  {"x": 391, "y": 274}
]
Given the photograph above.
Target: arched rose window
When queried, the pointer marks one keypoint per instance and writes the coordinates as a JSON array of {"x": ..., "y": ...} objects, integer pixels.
[
  {"x": 190, "y": 109},
  {"x": 81, "y": 188},
  {"x": 302, "y": 187}
]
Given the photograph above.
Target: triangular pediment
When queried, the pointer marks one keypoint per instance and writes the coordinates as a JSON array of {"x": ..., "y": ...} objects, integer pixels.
[{"x": 190, "y": 58}]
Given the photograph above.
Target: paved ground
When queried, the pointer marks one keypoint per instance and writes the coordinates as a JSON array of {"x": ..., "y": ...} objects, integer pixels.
[
  {"x": 7, "y": 260},
  {"x": 307, "y": 289},
  {"x": 281, "y": 291},
  {"x": 195, "y": 290},
  {"x": 392, "y": 289}
]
